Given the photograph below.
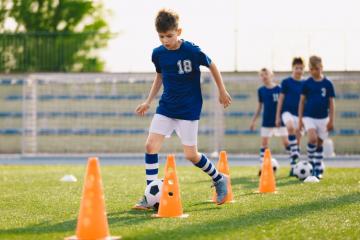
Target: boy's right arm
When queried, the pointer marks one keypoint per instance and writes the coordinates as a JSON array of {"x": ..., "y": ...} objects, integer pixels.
[
  {"x": 256, "y": 115},
  {"x": 278, "y": 110},
  {"x": 143, "y": 107},
  {"x": 301, "y": 111}
]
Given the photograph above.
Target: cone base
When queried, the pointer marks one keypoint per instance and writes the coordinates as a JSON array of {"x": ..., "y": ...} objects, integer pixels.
[
  {"x": 181, "y": 216},
  {"x": 107, "y": 238},
  {"x": 265, "y": 192}
]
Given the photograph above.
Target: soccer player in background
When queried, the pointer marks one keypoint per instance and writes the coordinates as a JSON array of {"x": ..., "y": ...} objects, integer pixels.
[
  {"x": 268, "y": 95},
  {"x": 316, "y": 113},
  {"x": 287, "y": 108},
  {"x": 177, "y": 63}
]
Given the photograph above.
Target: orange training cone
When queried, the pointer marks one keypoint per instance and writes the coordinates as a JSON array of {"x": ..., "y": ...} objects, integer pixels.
[
  {"x": 267, "y": 178},
  {"x": 223, "y": 167},
  {"x": 92, "y": 222},
  {"x": 170, "y": 202}
]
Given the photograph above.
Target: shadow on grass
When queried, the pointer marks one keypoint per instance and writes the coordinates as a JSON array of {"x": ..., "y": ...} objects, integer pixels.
[
  {"x": 213, "y": 228},
  {"x": 119, "y": 218},
  {"x": 253, "y": 182}
]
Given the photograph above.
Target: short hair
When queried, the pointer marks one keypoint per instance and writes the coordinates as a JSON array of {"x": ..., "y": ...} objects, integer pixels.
[
  {"x": 314, "y": 61},
  {"x": 166, "y": 20},
  {"x": 266, "y": 70},
  {"x": 298, "y": 61}
]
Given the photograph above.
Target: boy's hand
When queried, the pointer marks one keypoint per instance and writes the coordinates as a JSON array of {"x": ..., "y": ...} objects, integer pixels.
[
  {"x": 224, "y": 98},
  {"x": 277, "y": 122},
  {"x": 330, "y": 126},
  {"x": 142, "y": 108},
  {"x": 252, "y": 126}
]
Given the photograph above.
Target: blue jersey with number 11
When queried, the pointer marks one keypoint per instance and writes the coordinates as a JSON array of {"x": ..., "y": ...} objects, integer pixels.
[
  {"x": 180, "y": 70},
  {"x": 269, "y": 98}
]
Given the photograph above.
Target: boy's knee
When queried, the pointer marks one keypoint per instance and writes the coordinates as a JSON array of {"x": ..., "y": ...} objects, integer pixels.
[
  {"x": 192, "y": 156},
  {"x": 291, "y": 129},
  {"x": 150, "y": 147}
]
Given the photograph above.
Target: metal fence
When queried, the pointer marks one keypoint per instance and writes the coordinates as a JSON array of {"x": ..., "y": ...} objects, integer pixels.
[
  {"x": 46, "y": 51},
  {"x": 83, "y": 113}
]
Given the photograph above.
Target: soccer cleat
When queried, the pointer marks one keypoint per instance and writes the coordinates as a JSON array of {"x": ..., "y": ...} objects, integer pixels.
[
  {"x": 318, "y": 170},
  {"x": 221, "y": 190},
  {"x": 142, "y": 204}
]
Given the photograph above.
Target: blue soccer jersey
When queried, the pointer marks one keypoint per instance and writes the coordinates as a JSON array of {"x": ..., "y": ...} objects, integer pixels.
[
  {"x": 291, "y": 89},
  {"x": 269, "y": 98},
  {"x": 317, "y": 95},
  {"x": 180, "y": 70}
]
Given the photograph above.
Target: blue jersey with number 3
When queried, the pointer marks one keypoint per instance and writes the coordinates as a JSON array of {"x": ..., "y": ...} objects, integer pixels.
[
  {"x": 180, "y": 70},
  {"x": 269, "y": 98},
  {"x": 317, "y": 95}
]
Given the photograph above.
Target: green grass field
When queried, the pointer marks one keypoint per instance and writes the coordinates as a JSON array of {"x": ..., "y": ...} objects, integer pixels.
[{"x": 34, "y": 204}]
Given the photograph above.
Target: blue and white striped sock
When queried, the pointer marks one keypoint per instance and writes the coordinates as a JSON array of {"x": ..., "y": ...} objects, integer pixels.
[
  {"x": 262, "y": 153},
  {"x": 151, "y": 167},
  {"x": 294, "y": 148},
  {"x": 319, "y": 157},
  {"x": 209, "y": 168},
  {"x": 311, "y": 149}
]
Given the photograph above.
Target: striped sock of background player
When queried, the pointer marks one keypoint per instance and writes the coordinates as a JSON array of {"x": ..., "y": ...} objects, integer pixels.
[
  {"x": 288, "y": 149},
  {"x": 261, "y": 153},
  {"x": 311, "y": 149},
  {"x": 318, "y": 161},
  {"x": 151, "y": 167},
  {"x": 209, "y": 168},
  {"x": 294, "y": 149}
]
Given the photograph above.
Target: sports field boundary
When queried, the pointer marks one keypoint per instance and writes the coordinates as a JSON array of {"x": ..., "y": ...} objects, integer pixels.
[{"x": 346, "y": 161}]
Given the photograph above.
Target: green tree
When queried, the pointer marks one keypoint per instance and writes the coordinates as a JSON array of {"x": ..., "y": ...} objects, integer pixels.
[{"x": 53, "y": 35}]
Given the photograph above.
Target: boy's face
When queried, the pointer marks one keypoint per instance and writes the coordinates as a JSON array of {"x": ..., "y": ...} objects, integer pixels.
[
  {"x": 266, "y": 77},
  {"x": 298, "y": 71},
  {"x": 169, "y": 39},
  {"x": 316, "y": 71}
]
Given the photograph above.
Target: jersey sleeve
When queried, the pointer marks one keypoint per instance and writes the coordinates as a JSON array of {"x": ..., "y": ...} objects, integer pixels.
[
  {"x": 304, "y": 89},
  {"x": 155, "y": 60},
  {"x": 203, "y": 59},
  {"x": 259, "y": 96},
  {"x": 331, "y": 90},
  {"x": 284, "y": 87}
]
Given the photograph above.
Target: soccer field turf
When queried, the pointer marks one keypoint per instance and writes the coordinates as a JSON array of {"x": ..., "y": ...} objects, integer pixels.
[{"x": 34, "y": 204}]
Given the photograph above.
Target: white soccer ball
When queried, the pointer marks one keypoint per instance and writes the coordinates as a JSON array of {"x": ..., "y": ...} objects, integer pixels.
[
  {"x": 275, "y": 166},
  {"x": 153, "y": 193},
  {"x": 303, "y": 169}
]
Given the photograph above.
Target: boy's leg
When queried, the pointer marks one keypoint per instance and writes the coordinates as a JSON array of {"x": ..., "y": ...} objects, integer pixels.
[
  {"x": 202, "y": 162},
  {"x": 160, "y": 127},
  {"x": 187, "y": 131},
  {"x": 292, "y": 139},
  {"x": 318, "y": 163},
  {"x": 152, "y": 146}
]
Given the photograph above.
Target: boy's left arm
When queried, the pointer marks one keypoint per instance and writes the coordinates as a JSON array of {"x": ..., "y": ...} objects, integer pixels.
[
  {"x": 224, "y": 96},
  {"x": 330, "y": 125}
]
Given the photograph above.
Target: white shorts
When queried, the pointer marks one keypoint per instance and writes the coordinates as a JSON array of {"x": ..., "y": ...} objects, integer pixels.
[
  {"x": 186, "y": 130},
  {"x": 287, "y": 117},
  {"x": 277, "y": 132},
  {"x": 320, "y": 125}
]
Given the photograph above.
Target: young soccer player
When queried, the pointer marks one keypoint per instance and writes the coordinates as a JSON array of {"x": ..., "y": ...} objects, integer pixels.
[
  {"x": 177, "y": 63},
  {"x": 287, "y": 108},
  {"x": 316, "y": 112},
  {"x": 268, "y": 96}
]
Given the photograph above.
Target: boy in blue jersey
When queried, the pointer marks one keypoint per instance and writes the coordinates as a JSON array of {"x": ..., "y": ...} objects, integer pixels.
[
  {"x": 287, "y": 109},
  {"x": 268, "y": 95},
  {"x": 316, "y": 112},
  {"x": 177, "y": 63}
]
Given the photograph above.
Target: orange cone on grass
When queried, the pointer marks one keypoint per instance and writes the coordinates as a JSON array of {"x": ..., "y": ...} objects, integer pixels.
[
  {"x": 267, "y": 179},
  {"x": 92, "y": 222},
  {"x": 223, "y": 167},
  {"x": 170, "y": 201}
]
